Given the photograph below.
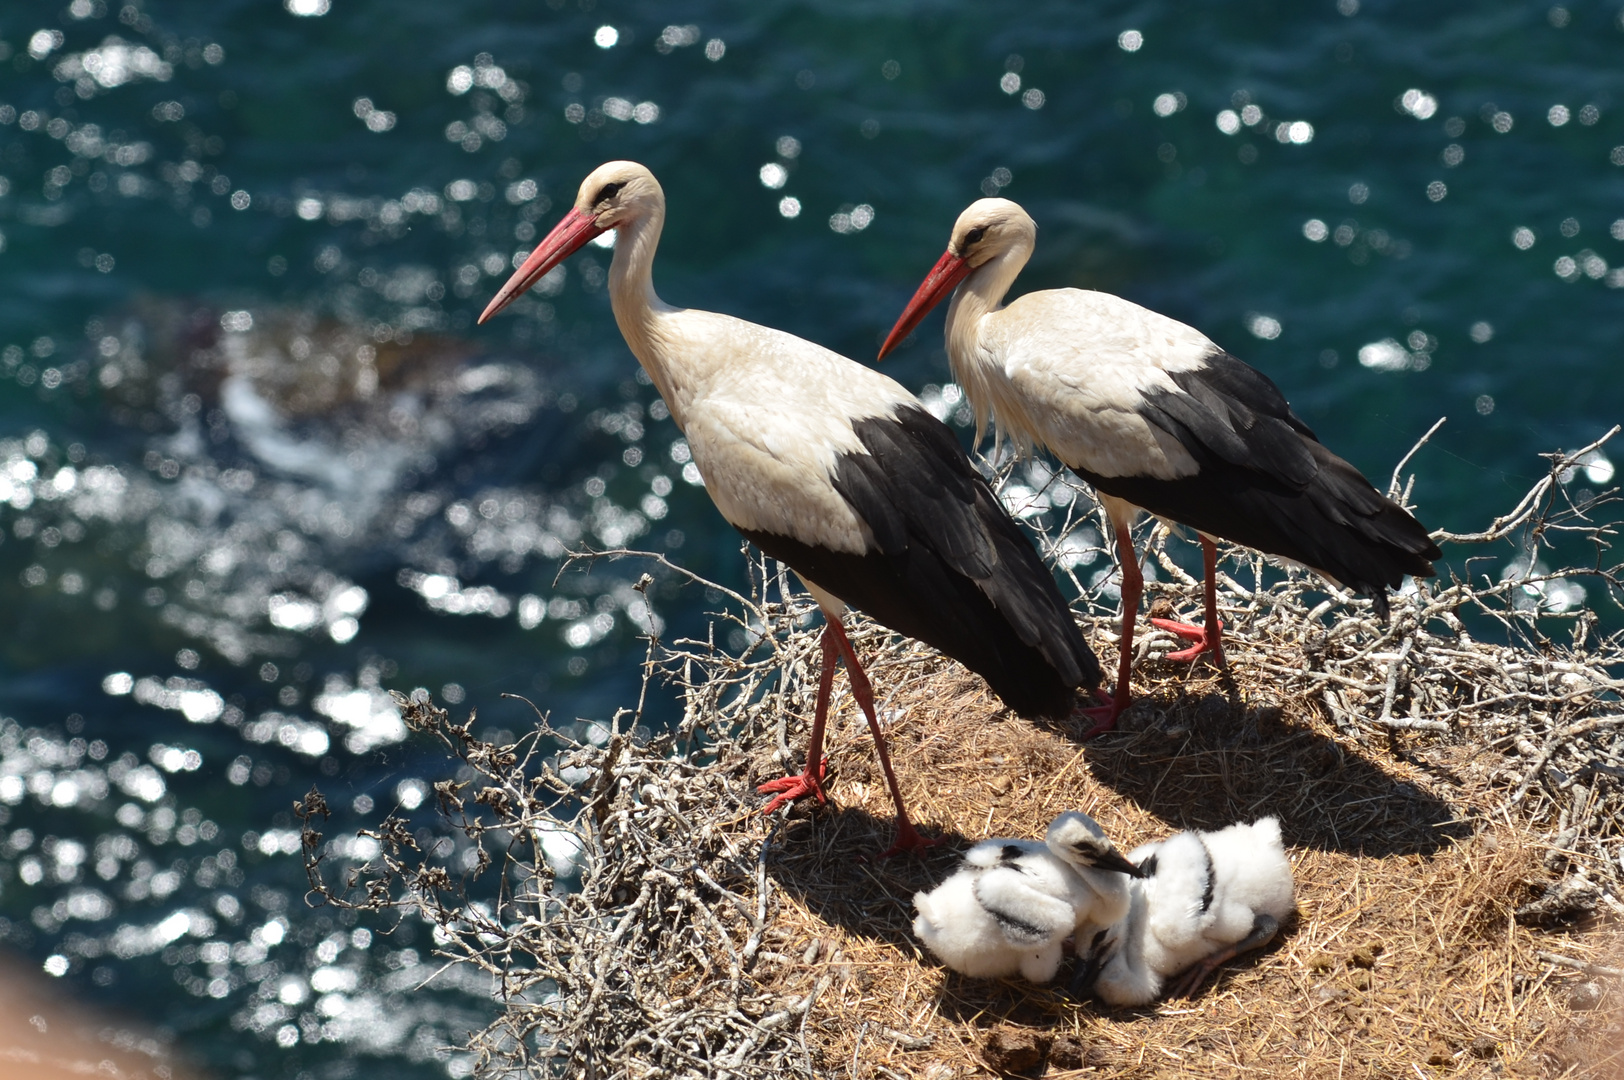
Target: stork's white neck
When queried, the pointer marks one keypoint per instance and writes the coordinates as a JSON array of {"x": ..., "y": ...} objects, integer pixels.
[
  {"x": 979, "y": 295},
  {"x": 639, "y": 311},
  {"x": 982, "y": 292}
]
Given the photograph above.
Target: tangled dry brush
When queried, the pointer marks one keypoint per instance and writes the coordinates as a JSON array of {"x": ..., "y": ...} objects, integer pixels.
[{"x": 1451, "y": 784}]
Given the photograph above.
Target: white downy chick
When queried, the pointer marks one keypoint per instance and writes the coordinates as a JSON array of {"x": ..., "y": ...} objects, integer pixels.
[
  {"x": 1079, "y": 840},
  {"x": 1204, "y": 899},
  {"x": 1011, "y": 905}
]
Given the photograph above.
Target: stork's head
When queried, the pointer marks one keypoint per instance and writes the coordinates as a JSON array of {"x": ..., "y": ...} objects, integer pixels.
[
  {"x": 613, "y": 195},
  {"x": 990, "y": 227},
  {"x": 1078, "y": 838},
  {"x": 987, "y": 229},
  {"x": 618, "y": 192}
]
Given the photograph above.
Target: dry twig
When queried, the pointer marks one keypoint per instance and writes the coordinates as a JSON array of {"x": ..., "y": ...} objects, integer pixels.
[{"x": 638, "y": 919}]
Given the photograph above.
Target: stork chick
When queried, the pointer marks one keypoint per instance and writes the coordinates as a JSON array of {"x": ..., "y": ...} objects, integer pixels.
[
  {"x": 1012, "y": 904},
  {"x": 1203, "y": 898}
]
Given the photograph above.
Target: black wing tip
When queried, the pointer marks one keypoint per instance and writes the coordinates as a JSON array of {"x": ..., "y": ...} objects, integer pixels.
[{"x": 918, "y": 467}]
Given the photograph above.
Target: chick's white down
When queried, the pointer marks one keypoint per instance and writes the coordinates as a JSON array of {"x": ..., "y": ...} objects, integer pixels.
[
  {"x": 1204, "y": 896},
  {"x": 1012, "y": 904}
]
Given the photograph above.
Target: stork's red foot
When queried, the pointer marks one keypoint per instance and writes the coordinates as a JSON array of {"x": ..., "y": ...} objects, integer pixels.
[
  {"x": 1197, "y": 634},
  {"x": 1104, "y": 715},
  {"x": 908, "y": 839},
  {"x": 790, "y": 788}
]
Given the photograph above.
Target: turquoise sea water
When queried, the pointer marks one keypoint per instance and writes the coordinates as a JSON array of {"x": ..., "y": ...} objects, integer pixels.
[{"x": 257, "y": 465}]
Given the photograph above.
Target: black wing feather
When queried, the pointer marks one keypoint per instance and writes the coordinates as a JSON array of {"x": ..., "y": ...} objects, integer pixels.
[
  {"x": 950, "y": 568},
  {"x": 1266, "y": 481}
]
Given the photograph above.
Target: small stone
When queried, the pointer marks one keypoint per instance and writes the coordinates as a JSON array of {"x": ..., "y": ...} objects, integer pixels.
[
  {"x": 1067, "y": 1053},
  {"x": 1565, "y": 902},
  {"x": 1000, "y": 785},
  {"x": 1102, "y": 1056},
  {"x": 1015, "y": 1050},
  {"x": 1584, "y": 996},
  {"x": 1138, "y": 716}
]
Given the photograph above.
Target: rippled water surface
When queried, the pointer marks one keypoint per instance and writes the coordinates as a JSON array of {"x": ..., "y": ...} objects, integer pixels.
[{"x": 257, "y": 467}]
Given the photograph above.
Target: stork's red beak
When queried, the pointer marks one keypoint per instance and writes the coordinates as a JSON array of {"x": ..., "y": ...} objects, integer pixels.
[
  {"x": 567, "y": 237},
  {"x": 942, "y": 279}
]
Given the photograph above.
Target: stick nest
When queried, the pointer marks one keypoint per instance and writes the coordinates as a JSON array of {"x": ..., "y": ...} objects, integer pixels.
[{"x": 1450, "y": 785}]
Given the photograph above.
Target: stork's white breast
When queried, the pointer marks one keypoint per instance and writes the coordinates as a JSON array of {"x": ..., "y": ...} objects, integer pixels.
[
  {"x": 1071, "y": 369},
  {"x": 768, "y": 416}
]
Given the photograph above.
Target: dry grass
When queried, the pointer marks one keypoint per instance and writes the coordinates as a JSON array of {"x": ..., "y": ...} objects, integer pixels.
[
  {"x": 1454, "y": 811},
  {"x": 1405, "y": 952}
]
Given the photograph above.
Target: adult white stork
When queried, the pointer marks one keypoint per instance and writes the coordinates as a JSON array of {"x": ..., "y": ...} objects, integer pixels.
[
  {"x": 1155, "y": 416},
  {"x": 839, "y": 472}
]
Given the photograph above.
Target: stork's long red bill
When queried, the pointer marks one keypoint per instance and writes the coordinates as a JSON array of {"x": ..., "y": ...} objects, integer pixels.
[
  {"x": 567, "y": 237},
  {"x": 943, "y": 278}
]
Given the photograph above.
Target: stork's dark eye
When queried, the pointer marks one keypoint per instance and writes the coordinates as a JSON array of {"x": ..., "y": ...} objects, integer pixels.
[
  {"x": 609, "y": 191},
  {"x": 974, "y": 236}
]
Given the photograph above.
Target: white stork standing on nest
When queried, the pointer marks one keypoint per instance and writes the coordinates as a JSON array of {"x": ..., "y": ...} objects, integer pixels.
[
  {"x": 839, "y": 472},
  {"x": 1155, "y": 416}
]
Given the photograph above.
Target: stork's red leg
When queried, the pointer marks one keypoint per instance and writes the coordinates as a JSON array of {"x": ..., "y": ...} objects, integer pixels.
[
  {"x": 1133, "y": 587},
  {"x": 1264, "y": 927},
  {"x": 1208, "y": 638},
  {"x": 908, "y": 838},
  {"x": 810, "y": 782}
]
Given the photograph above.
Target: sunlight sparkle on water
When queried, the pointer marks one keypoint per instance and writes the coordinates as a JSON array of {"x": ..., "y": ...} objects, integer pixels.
[
  {"x": 1297, "y": 132},
  {"x": 1418, "y": 103},
  {"x": 1168, "y": 104},
  {"x": 113, "y": 64},
  {"x": 677, "y": 37},
  {"x": 850, "y": 219},
  {"x": 1266, "y": 327}
]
